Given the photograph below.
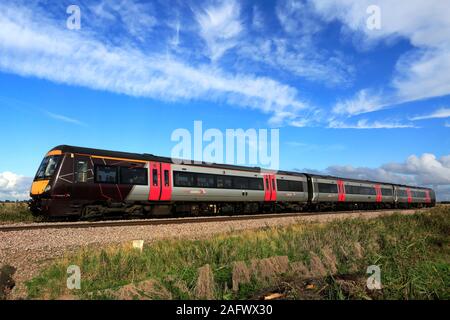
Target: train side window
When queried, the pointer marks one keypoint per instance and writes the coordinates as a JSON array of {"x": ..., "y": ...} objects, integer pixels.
[
  {"x": 166, "y": 178},
  {"x": 240, "y": 183},
  {"x": 282, "y": 185},
  {"x": 386, "y": 192},
  {"x": 205, "y": 180},
  {"x": 81, "y": 171},
  {"x": 155, "y": 177},
  {"x": 105, "y": 174},
  {"x": 296, "y": 186},
  {"x": 224, "y": 182},
  {"x": 289, "y": 185},
  {"x": 183, "y": 179},
  {"x": 328, "y": 188},
  {"x": 137, "y": 176},
  {"x": 256, "y": 184}
]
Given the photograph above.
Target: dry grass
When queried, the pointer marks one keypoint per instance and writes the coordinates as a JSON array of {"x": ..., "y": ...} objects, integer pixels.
[{"x": 15, "y": 212}]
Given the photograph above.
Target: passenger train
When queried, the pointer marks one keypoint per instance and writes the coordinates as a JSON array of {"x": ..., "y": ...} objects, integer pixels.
[{"x": 83, "y": 183}]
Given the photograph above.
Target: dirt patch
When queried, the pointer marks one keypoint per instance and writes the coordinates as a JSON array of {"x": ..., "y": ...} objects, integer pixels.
[{"x": 7, "y": 282}]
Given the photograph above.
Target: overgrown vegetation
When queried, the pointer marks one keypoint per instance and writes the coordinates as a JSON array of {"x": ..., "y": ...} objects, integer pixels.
[
  {"x": 15, "y": 212},
  {"x": 302, "y": 261}
]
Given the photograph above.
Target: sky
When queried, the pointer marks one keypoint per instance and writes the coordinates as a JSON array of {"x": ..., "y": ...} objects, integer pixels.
[{"x": 356, "y": 88}]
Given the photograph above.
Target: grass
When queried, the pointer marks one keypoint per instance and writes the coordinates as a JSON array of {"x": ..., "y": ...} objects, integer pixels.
[
  {"x": 411, "y": 250},
  {"x": 15, "y": 212}
]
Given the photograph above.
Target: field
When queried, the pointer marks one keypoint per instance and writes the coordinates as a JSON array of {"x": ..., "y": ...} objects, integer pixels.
[
  {"x": 15, "y": 212},
  {"x": 302, "y": 261}
]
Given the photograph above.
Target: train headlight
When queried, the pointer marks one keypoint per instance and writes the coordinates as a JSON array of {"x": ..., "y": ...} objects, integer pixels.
[{"x": 48, "y": 188}]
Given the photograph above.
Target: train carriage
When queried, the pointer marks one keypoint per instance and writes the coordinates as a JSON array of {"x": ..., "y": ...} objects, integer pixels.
[{"x": 83, "y": 182}]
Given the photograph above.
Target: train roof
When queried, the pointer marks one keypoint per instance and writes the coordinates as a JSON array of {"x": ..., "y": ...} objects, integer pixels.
[{"x": 151, "y": 157}]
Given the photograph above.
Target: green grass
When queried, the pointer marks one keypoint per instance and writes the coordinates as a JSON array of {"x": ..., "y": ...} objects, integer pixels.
[
  {"x": 411, "y": 250},
  {"x": 15, "y": 212}
]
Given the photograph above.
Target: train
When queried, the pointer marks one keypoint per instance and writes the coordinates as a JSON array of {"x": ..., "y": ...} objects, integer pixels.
[{"x": 83, "y": 183}]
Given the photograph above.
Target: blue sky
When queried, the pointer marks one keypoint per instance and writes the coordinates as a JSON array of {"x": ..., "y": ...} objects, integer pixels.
[{"x": 348, "y": 100}]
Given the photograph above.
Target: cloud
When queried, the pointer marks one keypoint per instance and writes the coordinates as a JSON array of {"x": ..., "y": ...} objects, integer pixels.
[
  {"x": 296, "y": 16},
  {"x": 365, "y": 124},
  {"x": 315, "y": 147},
  {"x": 64, "y": 118},
  {"x": 136, "y": 18},
  {"x": 426, "y": 169},
  {"x": 293, "y": 50},
  {"x": 363, "y": 102},
  {"x": 43, "y": 49},
  {"x": 438, "y": 114},
  {"x": 257, "y": 18},
  {"x": 14, "y": 186},
  {"x": 424, "y": 71},
  {"x": 220, "y": 27},
  {"x": 298, "y": 58},
  {"x": 423, "y": 170}
]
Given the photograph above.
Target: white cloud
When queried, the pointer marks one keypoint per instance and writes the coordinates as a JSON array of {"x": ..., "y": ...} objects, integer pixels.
[
  {"x": 296, "y": 17},
  {"x": 423, "y": 170},
  {"x": 316, "y": 147},
  {"x": 45, "y": 50},
  {"x": 292, "y": 49},
  {"x": 363, "y": 102},
  {"x": 438, "y": 114},
  {"x": 220, "y": 26},
  {"x": 298, "y": 58},
  {"x": 137, "y": 18},
  {"x": 365, "y": 124},
  {"x": 14, "y": 186},
  {"x": 64, "y": 118},
  {"x": 257, "y": 18},
  {"x": 421, "y": 73},
  {"x": 426, "y": 169}
]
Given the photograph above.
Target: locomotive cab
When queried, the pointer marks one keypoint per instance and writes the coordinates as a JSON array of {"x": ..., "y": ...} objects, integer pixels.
[{"x": 41, "y": 187}]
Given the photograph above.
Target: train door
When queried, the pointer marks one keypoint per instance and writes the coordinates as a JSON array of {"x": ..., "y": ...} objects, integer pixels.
[
  {"x": 154, "y": 169},
  {"x": 341, "y": 191},
  {"x": 166, "y": 183},
  {"x": 270, "y": 190},
  {"x": 160, "y": 181},
  {"x": 273, "y": 194},
  {"x": 408, "y": 192},
  {"x": 379, "y": 196},
  {"x": 82, "y": 177},
  {"x": 427, "y": 196},
  {"x": 267, "y": 188}
]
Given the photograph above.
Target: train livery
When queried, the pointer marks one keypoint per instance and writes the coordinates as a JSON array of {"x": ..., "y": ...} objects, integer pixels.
[{"x": 82, "y": 182}]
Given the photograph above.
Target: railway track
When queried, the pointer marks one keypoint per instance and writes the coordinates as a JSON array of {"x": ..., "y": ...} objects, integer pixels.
[{"x": 165, "y": 221}]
